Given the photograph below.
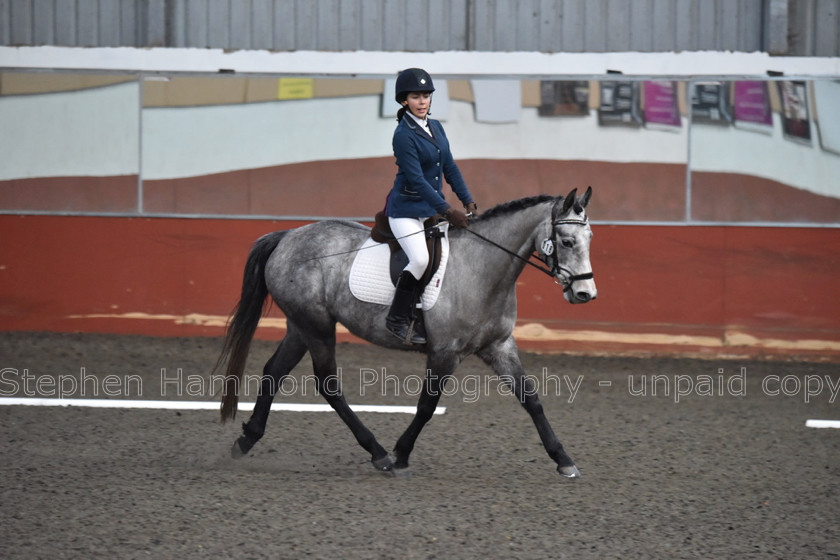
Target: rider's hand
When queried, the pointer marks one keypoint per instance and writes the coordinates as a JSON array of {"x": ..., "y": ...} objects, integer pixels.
[
  {"x": 457, "y": 218},
  {"x": 472, "y": 209}
]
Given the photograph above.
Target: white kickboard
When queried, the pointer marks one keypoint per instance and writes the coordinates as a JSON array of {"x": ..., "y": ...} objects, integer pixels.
[{"x": 370, "y": 275}]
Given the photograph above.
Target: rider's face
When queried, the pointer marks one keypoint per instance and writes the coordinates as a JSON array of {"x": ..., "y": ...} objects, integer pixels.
[{"x": 418, "y": 102}]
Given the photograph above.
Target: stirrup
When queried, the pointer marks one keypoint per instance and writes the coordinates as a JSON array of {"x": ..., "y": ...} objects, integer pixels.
[
  {"x": 403, "y": 328},
  {"x": 414, "y": 336}
]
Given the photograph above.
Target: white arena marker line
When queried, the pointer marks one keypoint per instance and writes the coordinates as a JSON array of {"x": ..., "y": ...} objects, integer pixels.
[
  {"x": 822, "y": 423},
  {"x": 203, "y": 405}
]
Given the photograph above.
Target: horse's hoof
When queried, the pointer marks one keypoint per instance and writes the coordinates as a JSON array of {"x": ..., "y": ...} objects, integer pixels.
[
  {"x": 569, "y": 472},
  {"x": 404, "y": 472},
  {"x": 383, "y": 464},
  {"x": 236, "y": 451}
]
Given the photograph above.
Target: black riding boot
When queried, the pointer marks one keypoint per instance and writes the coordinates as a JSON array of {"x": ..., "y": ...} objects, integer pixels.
[{"x": 401, "y": 318}]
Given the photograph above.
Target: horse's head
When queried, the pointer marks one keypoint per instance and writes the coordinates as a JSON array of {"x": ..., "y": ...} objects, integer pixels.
[{"x": 563, "y": 243}]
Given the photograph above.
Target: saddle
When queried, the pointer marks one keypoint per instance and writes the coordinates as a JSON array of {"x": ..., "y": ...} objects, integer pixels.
[
  {"x": 381, "y": 233},
  {"x": 375, "y": 269}
]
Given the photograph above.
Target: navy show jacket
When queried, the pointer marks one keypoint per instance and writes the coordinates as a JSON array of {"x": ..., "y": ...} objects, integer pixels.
[{"x": 423, "y": 162}]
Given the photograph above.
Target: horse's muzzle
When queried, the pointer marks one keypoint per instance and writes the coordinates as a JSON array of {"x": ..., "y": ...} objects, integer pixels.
[{"x": 582, "y": 293}]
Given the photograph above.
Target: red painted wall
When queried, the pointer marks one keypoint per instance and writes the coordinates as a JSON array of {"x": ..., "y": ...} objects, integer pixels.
[
  {"x": 358, "y": 187},
  {"x": 699, "y": 290}
]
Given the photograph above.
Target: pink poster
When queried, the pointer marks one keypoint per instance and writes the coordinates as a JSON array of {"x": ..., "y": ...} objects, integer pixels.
[
  {"x": 661, "y": 104},
  {"x": 752, "y": 104}
]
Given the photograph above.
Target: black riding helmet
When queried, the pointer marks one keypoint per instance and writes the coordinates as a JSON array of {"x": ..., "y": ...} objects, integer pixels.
[{"x": 410, "y": 80}]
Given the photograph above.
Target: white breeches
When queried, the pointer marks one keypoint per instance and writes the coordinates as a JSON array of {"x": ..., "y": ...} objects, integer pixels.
[{"x": 409, "y": 233}]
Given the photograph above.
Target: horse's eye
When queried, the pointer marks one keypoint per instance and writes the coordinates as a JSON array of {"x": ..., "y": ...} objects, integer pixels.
[{"x": 567, "y": 243}]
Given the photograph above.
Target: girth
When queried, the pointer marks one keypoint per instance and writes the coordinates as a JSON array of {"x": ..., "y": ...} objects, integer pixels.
[{"x": 381, "y": 233}]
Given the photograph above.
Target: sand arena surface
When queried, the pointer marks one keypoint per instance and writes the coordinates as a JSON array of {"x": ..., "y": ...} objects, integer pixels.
[{"x": 717, "y": 464}]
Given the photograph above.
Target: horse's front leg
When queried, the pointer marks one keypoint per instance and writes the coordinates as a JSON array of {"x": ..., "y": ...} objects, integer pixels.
[
  {"x": 504, "y": 359},
  {"x": 438, "y": 369}
]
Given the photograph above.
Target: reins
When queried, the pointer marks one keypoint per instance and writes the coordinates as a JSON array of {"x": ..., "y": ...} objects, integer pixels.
[{"x": 527, "y": 261}]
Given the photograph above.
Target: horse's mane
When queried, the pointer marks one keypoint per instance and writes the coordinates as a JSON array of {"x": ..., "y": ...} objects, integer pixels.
[{"x": 513, "y": 206}]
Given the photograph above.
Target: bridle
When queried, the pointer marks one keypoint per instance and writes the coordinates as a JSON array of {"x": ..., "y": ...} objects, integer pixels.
[{"x": 561, "y": 275}]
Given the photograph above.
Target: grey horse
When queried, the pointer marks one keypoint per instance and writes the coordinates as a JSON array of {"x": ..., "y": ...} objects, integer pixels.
[{"x": 475, "y": 312}]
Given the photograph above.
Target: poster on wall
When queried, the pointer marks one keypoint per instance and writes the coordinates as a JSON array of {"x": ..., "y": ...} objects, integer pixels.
[
  {"x": 661, "y": 108},
  {"x": 710, "y": 103},
  {"x": 827, "y": 110},
  {"x": 619, "y": 104},
  {"x": 497, "y": 101},
  {"x": 563, "y": 98},
  {"x": 752, "y": 106},
  {"x": 796, "y": 123},
  {"x": 295, "y": 88}
]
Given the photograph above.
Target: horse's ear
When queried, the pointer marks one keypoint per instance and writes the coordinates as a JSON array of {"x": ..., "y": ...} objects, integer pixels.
[
  {"x": 584, "y": 200},
  {"x": 568, "y": 201},
  {"x": 581, "y": 202}
]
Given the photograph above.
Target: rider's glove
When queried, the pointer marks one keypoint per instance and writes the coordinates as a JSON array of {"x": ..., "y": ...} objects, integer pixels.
[{"x": 457, "y": 218}]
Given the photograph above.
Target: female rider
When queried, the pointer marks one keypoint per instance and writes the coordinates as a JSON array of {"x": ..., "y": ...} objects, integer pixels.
[{"x": 423, "y": 157}]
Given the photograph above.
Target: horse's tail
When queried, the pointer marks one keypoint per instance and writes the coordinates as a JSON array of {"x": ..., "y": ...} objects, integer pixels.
[{"x": 244, "y": 320}]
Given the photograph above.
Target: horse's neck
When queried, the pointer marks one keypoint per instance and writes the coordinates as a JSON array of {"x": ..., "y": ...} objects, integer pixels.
[{"x": 515, "y": 232}]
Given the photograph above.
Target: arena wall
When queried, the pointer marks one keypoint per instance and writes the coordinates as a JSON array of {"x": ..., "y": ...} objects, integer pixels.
[
  {"x": 705, "y": 291},
  {"x": 128, "y": 201}
]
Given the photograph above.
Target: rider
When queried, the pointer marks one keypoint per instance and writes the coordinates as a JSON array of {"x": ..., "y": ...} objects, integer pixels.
[{"x": 423, "y": 158}]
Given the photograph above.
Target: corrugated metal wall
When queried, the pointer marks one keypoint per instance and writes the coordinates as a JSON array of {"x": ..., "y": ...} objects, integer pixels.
[
  {"x": 796, "y": 27},
  {"x": 380, "y": 25},
  {"x": 87, "y": 23},
  {"x": 814, "y": 27},
  {"x": 618, "y": 25}
]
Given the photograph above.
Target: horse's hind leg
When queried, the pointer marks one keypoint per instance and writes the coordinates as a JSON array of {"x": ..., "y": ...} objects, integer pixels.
[
  {"x": 504, "y": 360},
  {"x": 322, "y": 352},
  {"x": 288, "y": 354}
]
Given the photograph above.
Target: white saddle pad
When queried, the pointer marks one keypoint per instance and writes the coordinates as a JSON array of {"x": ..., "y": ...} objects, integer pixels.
[{"x": 370, "y": 275}]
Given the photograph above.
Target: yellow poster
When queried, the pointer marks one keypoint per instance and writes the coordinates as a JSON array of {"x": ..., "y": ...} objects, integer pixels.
[{"x": 294, "y": 88}]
